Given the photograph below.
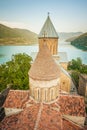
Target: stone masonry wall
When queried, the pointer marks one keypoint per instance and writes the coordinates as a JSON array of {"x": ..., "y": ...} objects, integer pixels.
[
  {"x": 52, "y": 44},
  {"x": 44, "y": 91},
  {"x": 64, "y": 65},
  {"x": 65, "y": 82},
  {"x": 82, "y": 86}
]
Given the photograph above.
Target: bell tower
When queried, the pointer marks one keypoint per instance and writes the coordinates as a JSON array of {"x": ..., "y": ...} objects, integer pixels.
[{"x": 49, "y": 35}]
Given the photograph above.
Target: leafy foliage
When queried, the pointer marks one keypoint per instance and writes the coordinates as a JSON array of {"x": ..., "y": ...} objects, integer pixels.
[
  {"x": 76, "y": 68},
  {"x": 16, "y": 72},
  {"x": 75, "y": 77}
]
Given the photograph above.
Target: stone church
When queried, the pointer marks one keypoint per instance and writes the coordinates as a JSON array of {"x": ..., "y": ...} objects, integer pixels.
[
  {"x": 46, "y": 106},
  {"x": 49, "y": 36}
]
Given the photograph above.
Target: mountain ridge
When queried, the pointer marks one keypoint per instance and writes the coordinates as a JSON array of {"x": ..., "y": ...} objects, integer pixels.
[
  {"x": 16, "y": 36},
  {"x": 80, "y": 42},
  {"x": 66, "y": 35}
]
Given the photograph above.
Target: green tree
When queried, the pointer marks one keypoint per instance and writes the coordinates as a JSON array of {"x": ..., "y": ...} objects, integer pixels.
[
  {"x": 16, "y": 72},
  {"x": 75, "y": 77},
  {"x": 76, "y": 68},
  {"x": 75, "y": 64}
]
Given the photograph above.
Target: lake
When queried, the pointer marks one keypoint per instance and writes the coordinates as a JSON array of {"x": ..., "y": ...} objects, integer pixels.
[{"x": 72, "y": 52}]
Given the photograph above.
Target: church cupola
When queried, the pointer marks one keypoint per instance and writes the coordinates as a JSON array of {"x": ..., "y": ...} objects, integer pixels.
[
  {"x": 44, "y": 77},
  {"x": 49, "y": 34}
]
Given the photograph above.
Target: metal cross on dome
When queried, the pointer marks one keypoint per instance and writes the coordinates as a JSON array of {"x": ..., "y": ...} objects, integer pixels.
[{"x": 48, "y": 13}]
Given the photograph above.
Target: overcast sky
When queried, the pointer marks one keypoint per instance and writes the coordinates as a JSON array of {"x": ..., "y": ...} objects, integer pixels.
[{"x": 66, "y": 15}]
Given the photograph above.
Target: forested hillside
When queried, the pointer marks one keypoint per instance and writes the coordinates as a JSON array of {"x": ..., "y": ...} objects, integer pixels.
[
  {"x": 14, "y": 36},
  {"x": 80, "y": 42}
]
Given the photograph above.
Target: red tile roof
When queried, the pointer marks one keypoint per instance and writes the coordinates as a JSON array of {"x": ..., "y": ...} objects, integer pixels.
[
  {"x": 72, "y": 105},
  {"x": 50, "y": 119},
  {"x": 40, "y": 116},
  {"x": 16, "y": 98},
  {"x": 23, "y": 121},
  {"x": 44, "y": 60}
]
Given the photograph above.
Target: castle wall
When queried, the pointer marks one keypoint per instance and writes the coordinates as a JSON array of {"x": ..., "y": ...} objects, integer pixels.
[
  {"x": 44, "y": 91},
  {"x": 82, "y": 89},
  {"x": 65, "y": 82},
  {"x": 52, "y": 44},
  {"x": 64, "y": 65}
]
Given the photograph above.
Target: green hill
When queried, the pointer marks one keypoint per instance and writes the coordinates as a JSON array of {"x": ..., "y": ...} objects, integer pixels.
[
  {"x": 66, "y": 35},
  {"x": 80, "y": 42},
  {"x": 71, "y": 39},
  {"x": 14, "y": 36}
]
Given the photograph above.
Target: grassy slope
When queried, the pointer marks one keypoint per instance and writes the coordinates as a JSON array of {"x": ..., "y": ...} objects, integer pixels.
[{"x": 16, "y": 36}]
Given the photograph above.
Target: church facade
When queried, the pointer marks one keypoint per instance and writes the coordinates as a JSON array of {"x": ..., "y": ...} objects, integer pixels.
[{"x": 49, "y": 36}]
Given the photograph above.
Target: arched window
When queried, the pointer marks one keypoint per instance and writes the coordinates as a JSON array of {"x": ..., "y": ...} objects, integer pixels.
[
  {"x": 32, "y": 91},
  {"x": 51, "y": 94},
  {"x": 45, "y": 95}
]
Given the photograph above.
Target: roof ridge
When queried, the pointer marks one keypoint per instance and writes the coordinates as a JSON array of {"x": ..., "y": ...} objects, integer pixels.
[{"x": 38, "y": 116}]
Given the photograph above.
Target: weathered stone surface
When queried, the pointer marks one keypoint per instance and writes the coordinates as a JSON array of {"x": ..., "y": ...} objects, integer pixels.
[
  {"x": 2, "y": 113},
  {"x": 3, "y": 96}
]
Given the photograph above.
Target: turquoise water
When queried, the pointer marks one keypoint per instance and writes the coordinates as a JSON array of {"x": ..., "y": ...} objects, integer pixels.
[
  {"x": 73, "y": 52},
  {"x": 7, "y": 51}
]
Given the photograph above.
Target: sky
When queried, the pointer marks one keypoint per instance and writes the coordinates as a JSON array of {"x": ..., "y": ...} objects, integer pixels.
[{"x": 66, "y": 15}]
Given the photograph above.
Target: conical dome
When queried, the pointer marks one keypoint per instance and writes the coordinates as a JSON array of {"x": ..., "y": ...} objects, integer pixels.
[
  {"x": 48, "y": 30},
  {"x": 44, "y": 66}
]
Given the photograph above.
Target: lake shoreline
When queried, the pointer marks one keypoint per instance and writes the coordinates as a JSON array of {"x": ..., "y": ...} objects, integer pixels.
[
  {"x": 83, "y": 48},
  {"x": 26, "y": 44},
  {"x": 6, "y": 51}
]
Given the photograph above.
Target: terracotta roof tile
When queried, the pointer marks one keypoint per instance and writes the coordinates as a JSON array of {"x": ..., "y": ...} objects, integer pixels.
[
  {"x": 23, "y": 121},
  {"x": 72, "y": 105},
  {"x": 16, "y": 99},
  {"x": 40, "y": 117},
  {"x": 50, "y": 119},
  {"x": 44, "y": 60}
]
